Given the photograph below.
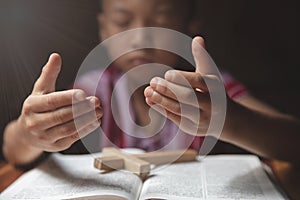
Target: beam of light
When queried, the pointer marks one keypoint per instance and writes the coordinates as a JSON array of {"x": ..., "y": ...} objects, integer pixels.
[{"x": 29, "y": 32}]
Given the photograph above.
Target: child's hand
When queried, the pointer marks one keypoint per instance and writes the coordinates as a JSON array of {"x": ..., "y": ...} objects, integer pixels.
[
  {"x": 173, "y": 96},
  {"x": 48, "y": 118},
  {"x": 165, "y": 95}
]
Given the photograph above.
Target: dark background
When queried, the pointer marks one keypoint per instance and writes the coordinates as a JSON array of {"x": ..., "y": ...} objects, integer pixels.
[{"x": 257, "y": 41}]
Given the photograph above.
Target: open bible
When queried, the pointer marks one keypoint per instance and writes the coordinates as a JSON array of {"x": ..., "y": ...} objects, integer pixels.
[{"x": 213, "y": 177}]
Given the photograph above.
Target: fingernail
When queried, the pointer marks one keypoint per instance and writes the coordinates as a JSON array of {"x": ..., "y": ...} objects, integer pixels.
[
  {"x": 154, "y": 80},
  {"x": 92, "y": 101},
  {"x": 169, "y": 75},
  {"x": 98, "y": 112},
  {"x": 50, "y": 57},
  {"x": 149, "y": 92},
  {"x": 79, "y": 96}
]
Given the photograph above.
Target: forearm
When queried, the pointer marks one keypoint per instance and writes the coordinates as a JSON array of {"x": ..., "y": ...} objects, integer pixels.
[
  {"x": 272, "y": 136},
  {"x": 15, "y": 149}
]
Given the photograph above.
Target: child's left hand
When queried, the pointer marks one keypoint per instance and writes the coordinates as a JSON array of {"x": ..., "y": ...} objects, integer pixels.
[
  {"x": 183, "y": 97},
  {"x": 171, "y": 96}
]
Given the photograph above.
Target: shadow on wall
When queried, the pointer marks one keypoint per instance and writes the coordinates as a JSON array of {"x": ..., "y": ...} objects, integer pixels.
[{"x": 258, "y": 42}]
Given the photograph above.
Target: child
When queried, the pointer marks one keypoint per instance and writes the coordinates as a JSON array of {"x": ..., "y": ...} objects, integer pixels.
[
  {"x": 47, "y": 123},
  {"x": 119, "y": 16}
]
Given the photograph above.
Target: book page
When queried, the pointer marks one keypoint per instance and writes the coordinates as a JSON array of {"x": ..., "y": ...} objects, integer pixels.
[
  {"x": 214, "y": 177},
  {"x": 73, "y": 177}
]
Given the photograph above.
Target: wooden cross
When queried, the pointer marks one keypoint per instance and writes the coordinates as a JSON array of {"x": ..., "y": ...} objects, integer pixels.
[{"x": 139, "y": 164}]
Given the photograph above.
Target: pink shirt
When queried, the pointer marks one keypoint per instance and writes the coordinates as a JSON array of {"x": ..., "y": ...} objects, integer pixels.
[{"x": 168, "y": 138}]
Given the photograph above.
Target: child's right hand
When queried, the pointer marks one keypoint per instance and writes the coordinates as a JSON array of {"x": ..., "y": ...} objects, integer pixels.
[{"x": 48, "y": 118}]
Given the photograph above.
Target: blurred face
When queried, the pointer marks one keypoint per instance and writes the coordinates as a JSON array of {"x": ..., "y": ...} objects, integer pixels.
[{"x": 122, "y": 15}]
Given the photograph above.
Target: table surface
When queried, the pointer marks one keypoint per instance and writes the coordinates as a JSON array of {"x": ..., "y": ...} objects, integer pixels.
[{"x": 287, "y": 175}]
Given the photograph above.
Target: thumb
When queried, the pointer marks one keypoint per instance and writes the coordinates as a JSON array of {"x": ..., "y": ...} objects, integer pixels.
[
  {"x": 47, "y": 80},
  {"x": 200, "y": 41},
  {"x": 204, "y": 63}
]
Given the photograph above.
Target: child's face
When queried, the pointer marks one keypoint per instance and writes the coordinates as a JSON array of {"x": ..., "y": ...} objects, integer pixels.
[{"x": 122, "y": 15}]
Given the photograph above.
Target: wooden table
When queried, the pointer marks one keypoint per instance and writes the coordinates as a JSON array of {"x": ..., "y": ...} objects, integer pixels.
[
  {"x": 8, "y": 174},
  {"x": 287, "y": 175}
]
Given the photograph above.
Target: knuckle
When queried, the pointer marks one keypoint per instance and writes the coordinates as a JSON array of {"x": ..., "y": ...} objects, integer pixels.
[
  {"x": 43, "y": 137},
  {"x": 157, "y": 97},
  {"x": 177, "y": 108},
  {"x": 162, "y": 87},
  {"x": 59, "y": 116},
  {"x": 67, "y": 130},
  {"x": 61, "y": 145},
  {"x": 27, "y": 106},
  {"x": 30, "y": 125},
  {"x": 74, "y": 137},
  {"x": 51, "y": 103},
  {"x": 65, "y": 143},
  {"x": 27, "y": 109}
]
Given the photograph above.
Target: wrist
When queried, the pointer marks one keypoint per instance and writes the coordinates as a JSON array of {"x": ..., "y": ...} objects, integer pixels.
[
  {"x": 233, "y": 115},
  {"x": 16, "y": 149}
]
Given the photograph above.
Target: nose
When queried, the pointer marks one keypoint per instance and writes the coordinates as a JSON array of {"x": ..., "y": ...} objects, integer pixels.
[{"x": 142, "y": 37}]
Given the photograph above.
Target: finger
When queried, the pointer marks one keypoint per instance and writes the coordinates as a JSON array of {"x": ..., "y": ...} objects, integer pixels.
[
  {"x": 200, "y": 41},
  {"x": 66, "y": 142},
  {"x": 47, "y": 120},
  {"x": 204, "y": 64},
  {"x": 53, "y": 134},
  {"x": 53, "y": 101},
  {"x": 47, "y": 80},
  {"x": 172, "y": 116},
  {"x": 173, "y": 106},
  {"x": 65, "y": 130},
  {"x": 189, "y": 79},
  {"x": 176, "y": 92},
  {"x": 74, "y": 126},
  {"x": 183, "y": 123},
  {"x": 194, "y": 80},
  {"x": 176, "y": 108},
  {"x": 63, "y": 144}
]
